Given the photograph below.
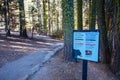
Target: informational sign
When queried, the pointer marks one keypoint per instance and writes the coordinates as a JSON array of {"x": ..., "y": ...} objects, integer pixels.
[{"x": 86, "y": 44}]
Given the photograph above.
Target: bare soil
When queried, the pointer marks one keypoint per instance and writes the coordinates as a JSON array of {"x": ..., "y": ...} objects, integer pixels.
[
  {"x": 13, "y": 48},
  {"x": 56, "y": 68},
  {"x": 59, "y": 69}
]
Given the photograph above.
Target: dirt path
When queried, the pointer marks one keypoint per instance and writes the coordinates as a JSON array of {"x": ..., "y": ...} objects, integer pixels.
[
  {"x": 14, "y": 48},
  {"x": 55, "y": 69},
  {"x": 58, "y": 69}
]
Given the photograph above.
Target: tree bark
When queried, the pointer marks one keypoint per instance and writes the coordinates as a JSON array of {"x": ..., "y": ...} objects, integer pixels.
[
  {"x": 7, "y": 28},
  {"x": 68, "y": 25},
  {"x": 115, "y": 60},
  {"x": 104, "y": 47},
  {"x": 23, "y": 31},
  {"x": 79, "y": 15},
  {"x": 45, "y": 16},
  {"x": 92, "y": 14}
]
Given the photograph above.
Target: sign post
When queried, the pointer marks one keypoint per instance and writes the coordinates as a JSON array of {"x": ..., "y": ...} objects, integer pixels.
[
  {"x": 84, "y": 69},
  {"x": 86, "y": 47}
]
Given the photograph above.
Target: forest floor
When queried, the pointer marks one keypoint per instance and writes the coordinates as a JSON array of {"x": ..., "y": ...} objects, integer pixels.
[
  {"x": 15, "y": 47},
  {"x": 56, "y": 68}
]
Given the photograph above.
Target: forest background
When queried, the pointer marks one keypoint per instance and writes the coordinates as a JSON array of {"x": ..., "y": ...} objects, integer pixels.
[{"x": 58, "y": 19}]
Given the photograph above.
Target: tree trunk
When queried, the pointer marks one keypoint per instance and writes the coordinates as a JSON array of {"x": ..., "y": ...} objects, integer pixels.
[
  {"x": 49, "y": 8},
  {"x": 68, "y": 25},
  {"x": 7, "y": 29},
  {"x": 39, "y": 16},
  {"x": 79, "y": 15},
  {"x": 115, "y": 60},
  {"x": 104, "y": 48},
  {"x": 45, "y": 15},
  {"x": 23, "y": 31},
  {"x": 92, "y": 14}
]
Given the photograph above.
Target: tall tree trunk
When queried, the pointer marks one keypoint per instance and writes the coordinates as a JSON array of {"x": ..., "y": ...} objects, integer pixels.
[
  {"x": 57, "y": 21},
  {"x": 104, "y": 49},
  {"x": 79, "y": 15},
  {"x": 23, "y": 31},
  {"x": 49, "y": 16},
  {"x": 68, "y": 25},
  {"x": 92, "y": 15},
  {"x": 39, "y": 15},
  {"x": 115, "y": 60},
  {"x": 7, "y": 29},
  {"x": 118, "y": 40},
  {"x": 45, "y": 15}
]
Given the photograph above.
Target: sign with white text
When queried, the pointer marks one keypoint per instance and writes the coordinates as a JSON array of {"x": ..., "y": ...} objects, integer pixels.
[{"x": 86, "y": 44}]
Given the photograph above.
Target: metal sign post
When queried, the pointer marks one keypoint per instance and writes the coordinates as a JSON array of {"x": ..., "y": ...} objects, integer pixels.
[{"x": 84, "y": 69}]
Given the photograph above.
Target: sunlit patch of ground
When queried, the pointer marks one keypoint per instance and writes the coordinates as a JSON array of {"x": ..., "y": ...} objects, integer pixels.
[{"x": 13, "y": 48}]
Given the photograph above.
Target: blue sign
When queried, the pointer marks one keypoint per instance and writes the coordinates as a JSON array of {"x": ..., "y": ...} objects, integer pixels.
[{"x": 86, "y": 44}]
